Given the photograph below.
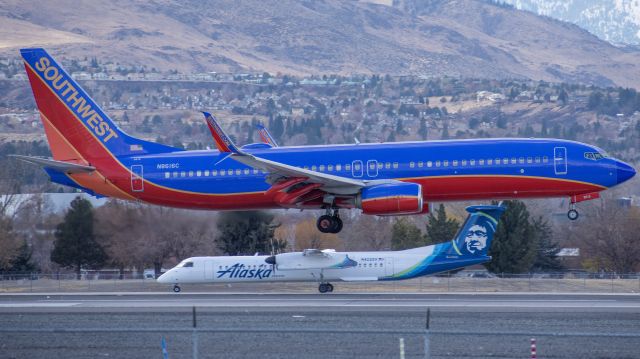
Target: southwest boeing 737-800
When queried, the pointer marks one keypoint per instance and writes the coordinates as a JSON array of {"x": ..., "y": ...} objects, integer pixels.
[
  {"x": 92, "y": 154},
  {"x": 469, "y": 247}
]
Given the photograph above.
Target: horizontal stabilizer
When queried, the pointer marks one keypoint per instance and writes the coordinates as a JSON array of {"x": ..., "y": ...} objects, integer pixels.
[{"x": 61, "y": 166}]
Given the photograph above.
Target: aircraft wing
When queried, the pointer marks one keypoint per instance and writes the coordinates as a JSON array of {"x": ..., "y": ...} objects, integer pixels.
[
  {"x": 329, "y": 182},
  {"x": 279, "y": 171},
  {"x": 312, "y": 259},
  {"x": 62, "y": 166},
  {"x": 318, "y": 252}
]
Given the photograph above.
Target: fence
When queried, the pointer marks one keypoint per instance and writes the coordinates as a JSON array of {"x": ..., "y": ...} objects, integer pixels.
[
  {"x": 461, "y": 282},
  {"x": 418, "y": 340}
]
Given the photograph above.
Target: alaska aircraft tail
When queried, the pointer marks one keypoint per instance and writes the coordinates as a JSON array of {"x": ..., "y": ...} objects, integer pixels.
[
  {"x": 77, "y": 129},
  {"x": 475, "y": 236}
]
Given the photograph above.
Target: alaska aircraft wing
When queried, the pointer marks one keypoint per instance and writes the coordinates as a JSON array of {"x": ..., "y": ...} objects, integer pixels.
[
  {"x": 312, "y": 259},
  {"x": 318, "y": 252},
  {"x": 62, "y": 166},
  {"x": 324, "y": 181}
]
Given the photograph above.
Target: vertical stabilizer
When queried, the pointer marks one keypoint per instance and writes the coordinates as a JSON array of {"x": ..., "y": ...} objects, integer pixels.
[
  {"x": 476, "y": 234},
  {"x": 76, "y": 127}
]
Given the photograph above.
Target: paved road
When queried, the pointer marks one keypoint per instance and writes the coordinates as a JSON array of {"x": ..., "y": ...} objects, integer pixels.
[{"x": 318, "y": 326}]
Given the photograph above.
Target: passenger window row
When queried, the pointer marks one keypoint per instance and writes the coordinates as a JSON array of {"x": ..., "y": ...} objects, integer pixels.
[
  {"x": 212, "y": 173},
  {"x": 481, "y": 162},
  {"x": 369, "y": 265},
  {"x": 372, "y": 165}
]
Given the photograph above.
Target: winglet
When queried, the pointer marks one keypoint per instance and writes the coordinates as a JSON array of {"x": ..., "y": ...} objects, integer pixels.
[
  {"x": 223, "y": 142},
  {"x": 265, "y": 136}
]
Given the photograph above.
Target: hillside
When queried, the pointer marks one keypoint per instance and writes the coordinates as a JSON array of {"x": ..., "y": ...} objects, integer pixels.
[
  {"x": 614, "y": 21},
  {"x": 460, "y": 38}
]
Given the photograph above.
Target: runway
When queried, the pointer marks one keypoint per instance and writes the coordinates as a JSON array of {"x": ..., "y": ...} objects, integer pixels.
[
  {"x": 255, "y": 325},
  {"x": 133, "y": 301}
]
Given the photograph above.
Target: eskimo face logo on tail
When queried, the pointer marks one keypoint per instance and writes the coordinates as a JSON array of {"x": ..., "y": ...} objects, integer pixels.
[
  {"x": 476, "y": 238},
  {"x": 478, "y": 234},
  {"x": 75, "y": 99}
]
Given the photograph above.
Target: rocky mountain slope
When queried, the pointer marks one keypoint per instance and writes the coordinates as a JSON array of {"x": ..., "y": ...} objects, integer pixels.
[
  {"x": 468, "y": 38},
  {"x": 617, "y": 21}
]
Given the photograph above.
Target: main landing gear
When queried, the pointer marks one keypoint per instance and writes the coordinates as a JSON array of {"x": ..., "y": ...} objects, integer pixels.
[
  {"x": 573, "y": 213},
  {"x": 176, "y": 288},
  {"x": 325, "y": 287},
  {"x": 330, "y": 222}
]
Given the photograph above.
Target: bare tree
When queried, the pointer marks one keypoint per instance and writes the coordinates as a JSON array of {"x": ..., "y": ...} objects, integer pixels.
[
  {"x": 9, "y": 241},
  {"x": 610, "y": 239},
  {"x": 36, "y": 220},
  {"x": 136, "y": 235},
  {"x": 308, "y": 236},
  {"x": 366, "y": 233}
]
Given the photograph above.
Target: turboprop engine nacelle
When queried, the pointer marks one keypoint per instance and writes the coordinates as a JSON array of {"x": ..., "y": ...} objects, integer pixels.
[
  {"x": 311, "y": 259},
  {"x": 391, "y": 199}
]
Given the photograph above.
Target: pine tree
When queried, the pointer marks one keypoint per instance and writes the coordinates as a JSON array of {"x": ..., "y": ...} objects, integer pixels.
[
  {"x": 440, "y": 228},
  {"x": 514, "y": 243},
  {"x": 75, "y": 245},
  {"x": 22, "y": 263},
  {"x": 563, "y": 97},
  {"x": 405, "y": 234},
  {"x": 246, "y": 233},
  {"x": 547, "y": 250},
  {"x": 423, "y": 131},
  {"x": 445, "y": 132}
]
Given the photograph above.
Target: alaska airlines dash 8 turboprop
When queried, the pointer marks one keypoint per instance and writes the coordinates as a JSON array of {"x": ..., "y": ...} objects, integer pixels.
[
  {"x": 91, "y": 153},
  {"x": 469, "y": 247}
]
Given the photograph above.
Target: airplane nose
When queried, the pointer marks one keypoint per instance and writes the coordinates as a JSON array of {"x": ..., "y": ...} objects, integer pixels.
[
  {"x": 163, "y": 278},
  {"x": 624, "y": 171}
]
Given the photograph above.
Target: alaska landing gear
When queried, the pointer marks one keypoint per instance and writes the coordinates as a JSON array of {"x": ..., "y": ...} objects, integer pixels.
[
  {"x": 325, "y": 287},
  {"x": 330, "y": 223},
  {"x": 176, "y": 288}
]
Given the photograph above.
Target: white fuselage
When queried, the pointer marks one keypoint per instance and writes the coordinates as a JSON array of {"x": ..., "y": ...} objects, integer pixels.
[{"x": 366, "y": 266}]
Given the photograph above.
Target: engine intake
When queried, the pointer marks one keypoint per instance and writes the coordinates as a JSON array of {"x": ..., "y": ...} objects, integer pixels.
[{"x": 391, "y": 199}]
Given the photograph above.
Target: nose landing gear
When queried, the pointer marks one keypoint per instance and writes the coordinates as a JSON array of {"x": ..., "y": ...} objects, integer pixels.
[
  {"x": 573, "y": 213},
  {"x": 325, "y": 287},
  {"x": 176, "y": 288},
  {"x": 330, "y": 222}
]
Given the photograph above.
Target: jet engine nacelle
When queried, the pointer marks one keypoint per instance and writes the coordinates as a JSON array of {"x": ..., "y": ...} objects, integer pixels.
[{"x": 391, "y": 199}]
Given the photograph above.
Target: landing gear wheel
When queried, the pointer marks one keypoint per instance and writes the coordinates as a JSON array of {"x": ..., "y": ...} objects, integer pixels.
[
  {"x": 176, "y": 288},
  {"x": 337, "y": 224},
  {"x": 573, "y": 214},
  {"x": 329, "y": 287},
  {"x": 322, "y": 288},
  {"x": 325, "y": 224}
]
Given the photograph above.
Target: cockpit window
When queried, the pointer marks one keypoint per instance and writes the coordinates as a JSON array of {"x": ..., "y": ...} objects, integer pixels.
[
  {"x": 186, "y": 264},
  {"x": 595, "y": 156}
]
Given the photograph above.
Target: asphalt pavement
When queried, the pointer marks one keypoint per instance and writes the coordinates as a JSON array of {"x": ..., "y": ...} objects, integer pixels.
[{"x": 255, "y": 325}]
